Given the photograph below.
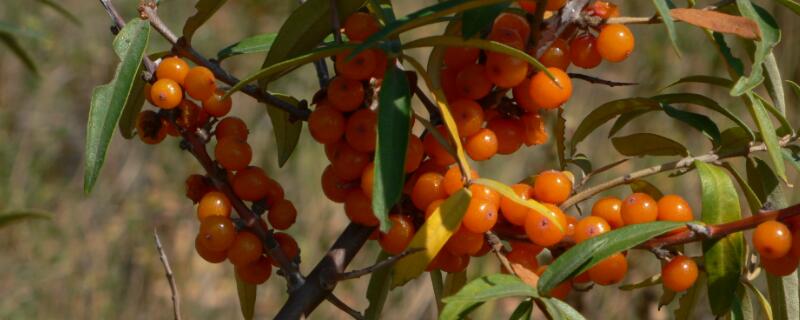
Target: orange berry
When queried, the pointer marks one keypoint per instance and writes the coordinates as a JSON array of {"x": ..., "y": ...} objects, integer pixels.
[
  {"x": 360, "y": 25},
  {"x": 505, "y": 71},
  {"x": 514, "y": 22},
  {"x": 453, "y": 181},
  {"x": 583, "y": 52},
  {"x": 359, "y": 67},
  {"x": 216, "y": 106},
  {"x": 256, "y": 272},
  {"x": 506, "y": 36},
  {"x": 522, "y": 95},
  {"x": 200, "y": 83},
  {"x": 334, "y": 188},
  {"x": 231, "y": 127},
  {"x": 213, "y": 203},
  {"x": 326, "y": 124},
  {"x": 358, "y": 208},
  {"x": 147, "y": 88},
  {"x": 674, "y": 208},
  {"x": 415, "y": 151},
  {"x": 399, "y": 236},
  {"x": 610, "y": 270},
  {"x": 150, "y": 128},
  {"x": 250, "y": 184},
  {"x": 367, "y": 176},
  {"x": 217, "y": 233},
  {"x": 471, "y": 82},
  {"x": 795, "y": 250},
  {"x": 330, "y": 149},
  {"x": 451, "y": 263},
  {"x": 344, "y": 94},
  {"x": 552, "y": 187},
  {"x": 524, "y": 254},
  {"x": 232, "y": 153},
  {"x": 428, "y": 188},
  {"x": 361, "y": 130},
  {"x": 603, "y": 9},
  {"x": 481, "y": 215},
  {"x": 288, "y": 246},
  {"x": 432, "y": 207},
  {"x": 482, "y": 145},
  {"x": 463, "y": 242},
  {"x": 535, "y": 133},
  {"x": 638, "y": 208},
  {"x": 572, "y": 221},
  {"x": 484, "y": 192},
  {"x": 679, "y": 274},
  {"x": 782, "y": 266},
  {"x": 590, "y": 227},
  {"x": 197, "y": 186},
  {"x": 246, "y": 248},
  {"x": 609, "y": 208},
  {"x": 282, "y": 214},
  {"x": 456, "y": 58},
  {"x": 189, "y": 114},
  {"x": 772, "y": 239},
  {"x": 274, "y": 192},
  {"x": 546, "y": 93},
  {"x": 557, "y": 55},
  {"x": 468, "y": 116},
  {"x": 209, "y": 255},
  {"x": 449, "y": 85},
  {"x": 510, "y": 134},
  {"x": 166, "y": 93},
  {"x": 348, "y": 163},
  {"x": 436, "y": 151},
  {"x": 543, "y": 231},
  {"x": 615, "y": 42},
  {"x": 172, "y": 68},
  {"x": 381, "y": 61},
  {"x": 515, "y": 212}
]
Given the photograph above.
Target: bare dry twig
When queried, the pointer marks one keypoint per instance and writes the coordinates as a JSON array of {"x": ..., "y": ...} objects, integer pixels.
[{"x": 176, "y": 299}]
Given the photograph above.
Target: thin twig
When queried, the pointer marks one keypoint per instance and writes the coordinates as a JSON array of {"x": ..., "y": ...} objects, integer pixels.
[
  {"x": 497, "y": 248},
  {"x": 176, "y": 299},
  {"x": 380, "y": 265},
  {"x": 118, "y": 24},
  {"x": 597, "y": 80},
  {"x": 344, "y": 307}
]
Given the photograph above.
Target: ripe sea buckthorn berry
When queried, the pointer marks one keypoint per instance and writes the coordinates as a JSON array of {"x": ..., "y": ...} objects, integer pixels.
[
  {"x": 172, "y": 68},
  {"x": 217, "y": 233},
  {"x": 795, "y": 250},
  {"x": 428, "y": 188},
  {"x": 360, "y": 25},
  {"x": 515, "y": 212},
  {"x": 510, "y": 134},
  {"x": 472, "y": 83},
  {"x": 334, "y": 188},
  {"x": 679, "y": 274},
  {"x": 615, "y": 42},
  {"x": 197, "y": 186},
  {"x": 572, "y": 222},
  {"x": 638, "y": 208},
  {"x": 603, "y": 9},
  {"x": 435, "y": 150},
  {"x": 399, "y": 236},
  {"x": 674, "y": 208},
  {"x": 535, "y": 133},
  {"x": 414, "y": 153},
  {"x": 583, "y": 52},
  {"x": 451, "y": 263},
  {"x": 231, "y": 127},
  {"x": 463, "y": 242},
  {"x": 552, "y": 187},
  {"x": 348, "y": 163},
  {"x": 359, "y": 67},
  {"x": 216, "y": 106},
  {"x": 381, "y": 61},
  {"x": 557, "y": 55},
  {"x": 282, "y": 214},
  {"x": 256, "y": 272},
  {"x": 170, "y": 128},
  {"x": 150, "y": 128},
  {"x": 543, "y": 231},
  {"x": 427, "y": 166},
  {"x": 482, "y": 145},
  {"x": 344, "y": 94},
  {"x": 610, "y": 270},
  {"x": 367, "y": 176},
  {"x": 250, "y": 184},
  {"x": 188, "y": 116},
  {"x": 456, "y": 58},
  {"x": 330, "y": 149},
  {"x": 361, "y": 132},
  {"x": 772, "y": 239},
  {"x": 523, "y": 254},
  {"x": 468, "y": 116},
  {"x": 505, "y": 71},
  {"x": 166, "y": 93},
  {"x": 209, "y": 255},
  {"x": 609, "y": 208},
  {"x": 506, "y": 36},
  {"x": 326, "y": 124},
  {"x": 274, "y": 192},
  {"x": 232, "y": 153},
  {"x": 449, "y": 84},
  {"x": 514, "y": 22},
  {"x": 546, "y": 93},
  {"x": 481, "y": 215},
  {"x": 246, "y": 248},
  {"x": 782, "y": 266},
  {"x": 522, "y": 95},
  {"x": 453, "y": 181},
  {"x": 590, "y": 227},
  {"x": 213, "y": 203},
  {"x": 484, "y": 192},
  {"x": 358, "y": 208},
  {"x": 200, "y": 83},
  {"x": 432, "y": 207},
  {"x": 288, "y": 246},
  {"x": 147, "y": 88}
]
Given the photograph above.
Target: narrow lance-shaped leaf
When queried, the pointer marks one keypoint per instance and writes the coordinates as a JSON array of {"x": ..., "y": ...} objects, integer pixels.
[
  {"x": 642, "y": 144},
  {"x": 752, "y": 199},
  {"x": 564, "y": 310},
  {"x": 783, "y": 296},
  {"x": 688, "y": 302},
  {"x": 735, "y": 65},
  {"x": 663, "y": 10},
  {"x": 257, "y": 43},
  {"x": 698, "y": 121},
  {"x": 791, "y": 5},
  {"x": 9, "y": 217},
  {"x": 205, "y": 9},
  {"x": 712, "y": 80},
  {"x": 378, "y": 289},
  {"x": 286, "y": 130},
  {"x": 766, "y": 308},
  {"x": 606, "y": 112},
  {"x": 774, "y": 82},
  {"x": 394, "y": 115},
  {"x": 109, "y": 99},
  {"x": 247, "y": 297},
  {"x": 509, "y": 193},
  {"x": 767, "y": 131},
  {"x": 483, "y": 289},
  {"x": 705, "y": 102},
  {"x": 718, "y": 21},
  {"x": 130, "y": 112},
  {"x": 523, "y": 311},
  {"x": 62, "y": 11},
  {"x": 770, "y": 36}
]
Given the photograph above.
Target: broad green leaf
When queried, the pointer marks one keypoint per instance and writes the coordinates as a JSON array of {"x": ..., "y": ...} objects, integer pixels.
[
  {"x": 9, "y": 217},
  {"x": 586, "y": 254},
  {"x": 431, "y": 237},
  {"x": 606, "y": 112},
  {"x": 666, "y": 18},
  {"x": 752, "y": 199},
  {"x": 791, "y": 5},
  {"x": 558, "y": 309},
  {"x": 508, "y": 193},
  {"x": 770, "y": 36},
  {"x": 286, "y": 130},
  {"x": 523, "y": 311},
  {"x": 130, "y": 112},
  {"x": 643, "y": 186},
  {"x": 723, "y": 257},
  {"x": 109, "y": 99},
  {"x": 649, "y": 282},
  {"x": 394, "y": 114},
  {"x": 698, "y": 121},
  {"x": 783, "y": 296},
  {"x": 767, "y": 131},
  {"x": 774, "y": 84},
  {"x": 713, "y": 80},
  {"x": 702, "y": 101},
  {"x": 247, "y": 297},
  {"x": 257, "y": 43},
  {"x": 481, "y": 18},
  {"x": 688, "y": 301},
  {"x": 763, "y": 180},
  {"x": 560, "y": 133},
  {"x": 62, "y": 11},
  {"x": 766, "y": 308},
  {"x": 642, "y": 144},
  {"x": 11, "y": 42},
  {"x": 378, "y": 289},
  {"x": 205, "y": 9},
  {"x": 484, "y": 289}
]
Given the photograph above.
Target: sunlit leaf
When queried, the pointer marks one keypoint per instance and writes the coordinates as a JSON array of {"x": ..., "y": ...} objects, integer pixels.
[
  {"x": 766, "y": 308},
  {"x": 506, "y": 192},
  {"x": 767, "y": 131},
  {"x": 483, "y": 289},
  {"x": 770, "y": 36},
  {"x": 649, "y": 282}
]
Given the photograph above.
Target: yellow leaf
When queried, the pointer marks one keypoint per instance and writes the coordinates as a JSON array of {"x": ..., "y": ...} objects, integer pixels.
[
  {"x": 431, "y": 237},
  {"x": 509, "y": 193}
]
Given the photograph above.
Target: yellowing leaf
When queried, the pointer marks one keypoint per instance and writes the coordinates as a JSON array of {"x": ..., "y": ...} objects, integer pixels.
[
  {"x": 509, "y": 193},
  {"x": 431, "y": 237}
]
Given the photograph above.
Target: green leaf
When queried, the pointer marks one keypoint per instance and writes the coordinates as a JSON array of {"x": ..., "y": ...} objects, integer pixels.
[
  {"x": 783, "y": 296},
  {"x": 12, "y": 216},
  {"x": 774, "y": 84},
  {"x": 795, "y": 87},
  {"x": 523, "y": 311},
  {"x": 791, "y": 4},
  {"x": 642, "y": 144},
  {"x": 560, "y": 132},
  {"x": 480, "y": 19},
  {"x": 713, "y": 80},
  {"x": 642, "y": 186},
  {"x": 762, "y": 179},
  {"x": 770, "y": 36},
  {"x": 663, "y": 11},
  {"x": 130, "y": 112},
  {"x": 766, "y": 308},
  {"x": 688, "y": 301},
  {"x": 286, "y": 130},
  {"x": 581, "y": 161},
  {"x": 62, "y": 11},
  {"x": 483, "y": 289},
  {"x": 786, "y": 127},
  {"x": 12, "y": 44},
  {"x": 586, "y": 254},
  {"x": 558, "y": 309},
  {"x": 702, "y": 101},
  {"x": 734, "y": 140},
  {"x": 724, "y": 257},
  {"x": 698, "y": 121},
  {"x": 394, "y": 114},
  {"x": 257, "y": 43},
  {"x": 734, "y": 64},
  {"x": 624, "y": 119},
  {"x": 606, "y": 112},
  {"x": 438, "y": 287},
  {"x": 247, "y": 297},
  {"x": 649, "y": 282},
  {"x": 205, "y": 9},
  {"x": 792, "y": 155},
  {"x": 378, "y": 289},
  {"x": 752, "y": 199},
  {"x": 109, "y": 99},
  {"x": 767, "y": 131}
]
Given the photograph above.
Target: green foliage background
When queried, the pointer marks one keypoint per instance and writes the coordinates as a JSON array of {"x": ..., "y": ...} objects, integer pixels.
[{"x": 96, "y": 258}]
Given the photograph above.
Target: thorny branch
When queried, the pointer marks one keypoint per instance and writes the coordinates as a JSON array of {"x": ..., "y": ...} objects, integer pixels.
[{"x": 176, "y": 300}]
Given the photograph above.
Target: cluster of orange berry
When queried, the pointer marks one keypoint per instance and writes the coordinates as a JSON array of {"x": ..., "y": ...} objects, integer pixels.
[
  {"x": 778, "y": 245},
  {"x": 219, "y": 237}
]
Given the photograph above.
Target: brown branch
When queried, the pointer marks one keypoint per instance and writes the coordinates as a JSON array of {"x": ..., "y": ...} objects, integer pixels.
[
  {"x": 596, "y": 80},
  {"x": 497, "y": 248},
  {"x": 375, "y": 267},
  {"x": 176, "y": 299},
  {"x": 344, "y": 307}
]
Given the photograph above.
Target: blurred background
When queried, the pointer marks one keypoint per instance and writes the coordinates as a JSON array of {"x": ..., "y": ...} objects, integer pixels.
[{"x": 96, "y": 258}]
